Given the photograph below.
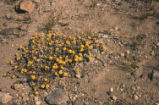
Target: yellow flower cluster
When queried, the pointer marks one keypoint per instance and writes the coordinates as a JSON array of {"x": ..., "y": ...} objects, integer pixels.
[{"x": 48, "y": 55}]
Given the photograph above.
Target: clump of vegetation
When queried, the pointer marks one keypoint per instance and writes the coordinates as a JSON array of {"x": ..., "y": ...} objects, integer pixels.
[{"x": 50, "y": 55}]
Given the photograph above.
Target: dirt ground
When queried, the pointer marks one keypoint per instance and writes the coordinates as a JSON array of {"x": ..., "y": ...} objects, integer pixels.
[{"x": 120, "y": 76}]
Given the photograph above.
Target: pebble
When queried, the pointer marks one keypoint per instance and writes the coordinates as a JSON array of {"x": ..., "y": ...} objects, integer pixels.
[
  {"x": 155, "y": 75},
  {"x": 78, "y": 75},
  {"x": 27, "y": 5},
  {"x": 5, "y": 98},
  {"x": 128, "y": 52},
  {"x": 58, "y": 96},
  {"x": 122, "y": 54},
  {"x": 111, "y": 89},
  {"x": 114, "y": 98},
  {"x": 136, "y": 97}
]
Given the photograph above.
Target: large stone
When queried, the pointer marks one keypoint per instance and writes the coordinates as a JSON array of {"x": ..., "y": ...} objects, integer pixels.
[
  {"x": 57, "y": 97},
  {"x": 5, "y": 98},
  {"x": 27, "y": 5}
]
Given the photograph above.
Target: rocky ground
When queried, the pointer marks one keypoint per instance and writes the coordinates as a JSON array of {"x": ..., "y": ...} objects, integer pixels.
[{"x": 126, "y": 74}]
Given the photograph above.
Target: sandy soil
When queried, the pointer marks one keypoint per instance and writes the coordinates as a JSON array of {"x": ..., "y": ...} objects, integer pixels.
[{"x": 129, "y": 29}]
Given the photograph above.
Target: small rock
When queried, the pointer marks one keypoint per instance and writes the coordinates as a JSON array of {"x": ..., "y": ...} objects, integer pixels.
[
  {"x": 111, "y": 89},
  {"x": 18, "y": 86},
  {"x": 158, "y": 44},
  {"x": 136, "y": 97},
  {"x": 5, "y": 98},
  {"x": 128, "y": 52},
  {"x": 155, "y": 75},
  {"x": 37, "y": 101},
  {"x": 58, "y": 96},
  {"x": 122, "y": 54},
  {"x": 114, "y": 98},
  {"x": 27, "y": 5},
  {"x": 78, "y": 75}
]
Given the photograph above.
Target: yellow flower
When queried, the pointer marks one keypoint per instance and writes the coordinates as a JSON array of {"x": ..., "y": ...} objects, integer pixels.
[
  {"x": 63, "y": 62},
  {"x": 20, "y": 46},
  {"x": 33, "y": 77},
  {"x": 56, "y": 74},
  {"x": 38, "y": 60},
  {"x": 60, "y": 57},
  {"x": 68, "y": 42},
  {"x": 79, "y": 37},
  {"x": 45, "y": 79},
  {"x": 64, "y": 48},
  {"x": 73, "y": 52},
  {"x": 70, "y": 60},
  {"x": 56, "y": 49},
  {"x": 65, "y": 74},
  {"x": 80, "y": 58},
  {"x": 42, "y": 86},
  {"x": 55, "y": 66},
  {"x": 11, "y": 62},
  {"x": 70, "y": 51},
  {"x": 13, "y": 76},
  {"x": 89, "y": 37},
  {"x": 60, "y": 72},
  {"x": 34, "y": 58},
  {"x": 50, "y": 58},
  {"x": 32, "y": 47},
  {"x": 61, "y": 67},
  {"x": 81, "y": 50},
  {"x": 15, "y": 67},
  {"x": 76, "y": 58},
  {"x": 47, "y": 85},
  {"x": 17, "y": 58},
  {"x": 96, "y": 41},
  {"x": 30, "y": 63},
  {"x": 87, "y": 43},
  {"x": 90, "y": 47},
  {"x": 82, "y": 46},
  {"x": 30, "y": 72},
  {"x": 57, "y": 41},
  {"x": 36, "y": 92},
  {"x": 50, "y": 35},
  {"x": 59, "y": 45},
  {"x": 47, "y": 39},
  {"x": 47, "y": 67},
  {"x": 80, "y": 54},
  {"x": 25, "y": 70},
  {"x": 50, "y": 43},
  {"x": 104, "y": 47}
]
